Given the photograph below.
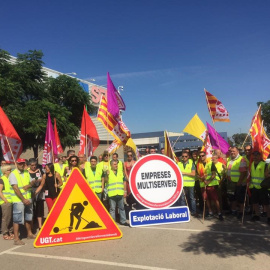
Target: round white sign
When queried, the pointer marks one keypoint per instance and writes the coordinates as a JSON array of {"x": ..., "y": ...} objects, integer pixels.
[{"x": 156, "y": 181}]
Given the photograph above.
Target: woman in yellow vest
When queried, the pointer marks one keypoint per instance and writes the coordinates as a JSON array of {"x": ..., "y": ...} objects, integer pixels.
[{"x": 6, "y": 204}]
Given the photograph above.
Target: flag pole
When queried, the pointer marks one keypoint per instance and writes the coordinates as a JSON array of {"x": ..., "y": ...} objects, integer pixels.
[
  {"x": 176, "y": 141},
  {"x": 11, "y": 152},
  {"x": 245, "y": 140},
  {"x": 86, "y": 150},
  {"x": 53, "y": 162},
  {"x": 212, "y": 118}
]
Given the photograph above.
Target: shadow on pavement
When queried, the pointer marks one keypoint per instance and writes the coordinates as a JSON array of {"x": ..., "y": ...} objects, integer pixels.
[{"x": 231, "y": 238}]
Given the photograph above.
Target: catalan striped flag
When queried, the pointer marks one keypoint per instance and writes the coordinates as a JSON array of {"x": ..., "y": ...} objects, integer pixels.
[
  {"x": 266, "y": 145},
  {"x": 115, "y": 126},
  {"x": 256, "y": 131},
  {"x": 216, "y": 108},
  {"x": 168, "y": 151},
  {"x": 260, "y": 141}
]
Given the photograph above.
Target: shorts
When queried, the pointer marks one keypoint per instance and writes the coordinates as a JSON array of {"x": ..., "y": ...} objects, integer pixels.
[
  {"x": 210, "y": 193},
  {"x": 259, "y": 196},
  {"x": 22, "y": 212}
]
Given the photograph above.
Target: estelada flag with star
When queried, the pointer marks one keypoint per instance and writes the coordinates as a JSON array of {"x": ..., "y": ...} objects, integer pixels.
[
  {"x": 11, "y": 143},
  {"x": 216, "y": 109}
]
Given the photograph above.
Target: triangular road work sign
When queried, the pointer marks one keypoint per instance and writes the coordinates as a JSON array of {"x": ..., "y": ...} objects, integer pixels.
[{"x": 77, "y": 216}]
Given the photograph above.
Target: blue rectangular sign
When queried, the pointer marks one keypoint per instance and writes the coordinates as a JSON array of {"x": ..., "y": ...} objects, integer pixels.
[{"x": 159, "y": 216}]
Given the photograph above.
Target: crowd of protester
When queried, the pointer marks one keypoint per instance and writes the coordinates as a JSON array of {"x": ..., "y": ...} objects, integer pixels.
[{"x": 212, "y": 187}]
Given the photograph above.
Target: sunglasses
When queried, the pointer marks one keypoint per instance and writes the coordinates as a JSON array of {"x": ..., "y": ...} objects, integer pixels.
[
  {"x": 202, "y": 156},
  {"x": 74, "y": 160},
  {"x": 129, "y": 155},
  {"x": 184, "y": 156}
]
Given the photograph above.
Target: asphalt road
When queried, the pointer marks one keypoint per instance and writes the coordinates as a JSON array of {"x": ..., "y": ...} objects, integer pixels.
[{"x": 194, "y": 245}]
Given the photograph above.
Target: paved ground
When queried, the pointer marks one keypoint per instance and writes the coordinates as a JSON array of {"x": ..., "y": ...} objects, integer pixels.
[{"x": 193, "y": 245}]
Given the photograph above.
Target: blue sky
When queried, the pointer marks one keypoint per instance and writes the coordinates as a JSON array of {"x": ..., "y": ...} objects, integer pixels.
[{"x": 164, "y": 53}]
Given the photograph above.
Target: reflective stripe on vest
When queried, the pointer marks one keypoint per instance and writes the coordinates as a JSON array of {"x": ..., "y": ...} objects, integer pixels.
[
  {"x": 235, "y": 174},
  {"x": 189, "y": 181},
  {"x": 7, "y": 191},
  {"x": 93, "y": 179},
  {"x": 115, "y": 184},
  {"x": 22, "y": 181},
  {"x": 257, "y": 175}
]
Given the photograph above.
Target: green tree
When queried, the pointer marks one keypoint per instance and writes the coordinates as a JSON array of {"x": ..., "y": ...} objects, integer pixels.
[
  {"x": 265, "y": 115},
  {"x": 27, "y": 95},
  {"x": 239, "y": 139}
]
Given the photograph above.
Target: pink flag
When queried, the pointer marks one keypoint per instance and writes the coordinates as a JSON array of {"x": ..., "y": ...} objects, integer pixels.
[
  {"x": 10, "y": 141},
  {"x": 217, "y": 140},
  {"x": 50, "y": 147},
  {"x": 115, "y": 101}
]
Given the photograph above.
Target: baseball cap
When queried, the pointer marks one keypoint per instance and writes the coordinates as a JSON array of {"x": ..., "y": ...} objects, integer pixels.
[{"x": 21, "y": 160}]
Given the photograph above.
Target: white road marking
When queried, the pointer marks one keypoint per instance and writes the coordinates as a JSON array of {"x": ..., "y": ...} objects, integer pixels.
[
  {"x": 9, "y": 250},
  {"x": 198, "y": 231},
  {"x": 144, "y": 267}
]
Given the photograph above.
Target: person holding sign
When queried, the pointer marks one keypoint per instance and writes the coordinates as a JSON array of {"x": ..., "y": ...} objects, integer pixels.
[
  {"x": 187, "y": 169},
  {"x": 116, "y": 191}
]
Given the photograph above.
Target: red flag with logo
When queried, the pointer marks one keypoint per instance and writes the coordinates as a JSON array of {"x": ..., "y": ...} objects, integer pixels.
[
  {"x": 11, "y": 143},
  {"x": 89, "y": 139},
  {"x": 57, "y": 139}
]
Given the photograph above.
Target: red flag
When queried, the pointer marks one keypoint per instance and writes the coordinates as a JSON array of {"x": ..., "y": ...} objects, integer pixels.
[
  {"x": 260, "y": 141},
  {"x": 57, "y": 139},
  {"x": 10, "y": 141},
  {"x": 216, "y": 109},
  {"x": 266, "y": 145},
  {"x": 256, "y": 131},
  {"x": 89, "y": 139}
]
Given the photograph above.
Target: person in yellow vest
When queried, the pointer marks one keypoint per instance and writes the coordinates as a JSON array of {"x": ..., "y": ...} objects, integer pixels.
[
  {"x": 187, "y": 169},
  {"x": 248, "y": 151},
  {"x": 93, "y": 174},
  {"x": 60, "y": 167},
  {"x": 19, "y": 179},
  {"x": 236, "y": 177},
  {"x": 267, "y": 174},
  {"x": 259, "y": 195},
  {"x": 120, "y": 163},
  {"x": 116, "y": 191},
  {"x": 82, "y": 161},
  {"x": 6, "y": 204},
  {"x": 105, "y": 163},
  {"x": 197, "y": 188},
  {"x": 213, "y": 174},
  {"x": 201, "y": 174}
]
